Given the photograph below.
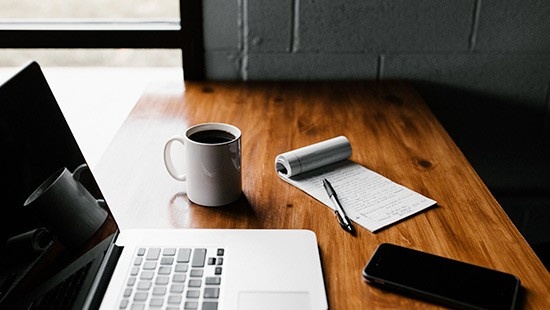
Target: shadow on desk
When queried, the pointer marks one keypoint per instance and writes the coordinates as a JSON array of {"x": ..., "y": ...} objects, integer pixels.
[
  {"x": 240, "y": 214},
  {"x": 508, "y": 144}
]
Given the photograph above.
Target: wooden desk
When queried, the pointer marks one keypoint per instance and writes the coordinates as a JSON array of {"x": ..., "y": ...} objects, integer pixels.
[{"x": 392, "y": 132}]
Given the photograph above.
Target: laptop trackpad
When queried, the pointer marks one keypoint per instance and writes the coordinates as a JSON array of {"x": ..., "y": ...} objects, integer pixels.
[{"x": 274, "y": 300}]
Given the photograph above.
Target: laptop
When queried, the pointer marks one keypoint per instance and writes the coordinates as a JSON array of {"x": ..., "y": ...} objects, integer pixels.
[{"x": 128, "y": 269}]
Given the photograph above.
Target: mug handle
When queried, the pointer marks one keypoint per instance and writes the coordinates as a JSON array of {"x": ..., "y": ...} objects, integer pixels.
[
  {"x": 76, "y": 175},
  {"x": 78, "y": 171},
  {"x": 168, "y": 158}
]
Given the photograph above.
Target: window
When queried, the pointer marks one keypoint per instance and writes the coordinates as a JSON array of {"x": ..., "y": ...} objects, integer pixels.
[
  {"x": 106, "y": 29},
  {"x": 91, "y": 9}
]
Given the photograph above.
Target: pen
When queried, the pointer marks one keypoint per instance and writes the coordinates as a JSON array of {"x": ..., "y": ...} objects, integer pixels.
[{"x": 341, "y": 216}]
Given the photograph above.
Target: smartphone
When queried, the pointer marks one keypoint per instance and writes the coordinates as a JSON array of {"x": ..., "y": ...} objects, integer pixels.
[{"x": 440, "y": 280}]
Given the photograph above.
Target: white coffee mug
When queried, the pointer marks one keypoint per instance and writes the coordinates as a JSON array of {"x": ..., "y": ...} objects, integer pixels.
[{"x": 212, "y": 157}]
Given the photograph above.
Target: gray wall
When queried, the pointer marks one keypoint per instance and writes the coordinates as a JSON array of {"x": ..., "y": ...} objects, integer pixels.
[
  {"x": 482, "y": 65},
  {"x": 495, "y": 47}
]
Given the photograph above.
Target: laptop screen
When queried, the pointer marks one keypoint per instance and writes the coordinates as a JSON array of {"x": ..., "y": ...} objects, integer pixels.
[{"x": 37, "y": 143}]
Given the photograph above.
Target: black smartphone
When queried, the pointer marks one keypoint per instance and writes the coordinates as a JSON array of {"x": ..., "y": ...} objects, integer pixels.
[{"x": 441, "y": 280}]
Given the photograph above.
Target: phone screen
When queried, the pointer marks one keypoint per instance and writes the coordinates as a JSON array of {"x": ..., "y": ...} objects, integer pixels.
[{"x": 439, "y": 279}]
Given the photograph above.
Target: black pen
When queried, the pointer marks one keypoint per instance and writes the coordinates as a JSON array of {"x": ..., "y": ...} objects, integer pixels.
[{"x": 341, "y": 216}]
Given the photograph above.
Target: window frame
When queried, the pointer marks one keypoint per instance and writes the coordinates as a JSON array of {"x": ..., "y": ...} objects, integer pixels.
[{"x": 186, "y": 35}]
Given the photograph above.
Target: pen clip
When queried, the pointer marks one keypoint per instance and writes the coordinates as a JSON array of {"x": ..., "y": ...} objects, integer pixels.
[{"x": 340, "y": 219}]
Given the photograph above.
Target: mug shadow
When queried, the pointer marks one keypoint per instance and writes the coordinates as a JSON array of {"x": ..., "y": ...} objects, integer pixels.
[{"x": 238, "y": 214}]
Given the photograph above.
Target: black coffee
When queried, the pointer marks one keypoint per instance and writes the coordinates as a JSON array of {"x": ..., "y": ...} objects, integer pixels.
[{"x": 212, "y": 136}]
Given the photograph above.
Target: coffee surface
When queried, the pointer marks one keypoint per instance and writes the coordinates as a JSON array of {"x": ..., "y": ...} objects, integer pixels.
[{"x": 212, "y": 136}]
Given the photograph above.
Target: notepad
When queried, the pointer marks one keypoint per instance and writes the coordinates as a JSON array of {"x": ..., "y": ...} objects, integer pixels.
[{"x": 369, "y": 199}]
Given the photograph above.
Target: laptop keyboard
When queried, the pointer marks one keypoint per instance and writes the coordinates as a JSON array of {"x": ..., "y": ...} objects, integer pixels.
[{"x": 174, "y": 278}]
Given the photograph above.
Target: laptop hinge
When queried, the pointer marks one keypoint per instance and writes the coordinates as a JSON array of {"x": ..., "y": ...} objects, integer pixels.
[{"x": 105, "y": 271}]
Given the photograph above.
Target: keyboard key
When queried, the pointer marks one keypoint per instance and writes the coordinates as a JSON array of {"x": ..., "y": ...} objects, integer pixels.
[
  {"x": 165, "y": 270},
  {"x": 131, "y": 281},
  {"x": 211, "y": 261},
  {"x": 134, "y": 271},
  {"x": 138, "y": 306},
  {"x": 213, "y": 281},
  {"x": 156, "y": 302},
  {"x": 220, "y": 261},
  {"x": 147, "y": 275},
  {"x": 144, "y": 285},
  {"x": 138, "y": 261},
  {"x": 159, "y": 291},
  {"x": 220, "y": 252},
  {"x": 193, "y": 294},
  {"x": 167, "y": 260},
  {"x": 150, "y": 265},
  {"x": 199, "y": 256},
  {"x": 169, "y": 252},
  {"x": 196, "y": 273},
  {"x": 127, "y": 292},
  {"x": 210, "y": 305},
  {"x": 174, "y": 299},
  {"x": 181, "y": 267},
  {"x": 178, "y": 278},
  {"x": 124, "y": 304},
  {"x": 141, "y": 252},
  {"x": 183, "y": 255},
  {"x": 162, "y": 280},
  {"x": 176, "y": 288},
  {"x": 218, "y": 271},
  {"x": 195, "y": 283},
  {"x": 153, "y": 254},
  {"x": 189, "y": 305},
  {"x": 211, "y": 292},
  {"x": 140, "y": 296}
]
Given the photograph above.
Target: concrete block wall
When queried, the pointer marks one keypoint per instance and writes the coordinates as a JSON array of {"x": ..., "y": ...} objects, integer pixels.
[{"x": 494, "y": 47}]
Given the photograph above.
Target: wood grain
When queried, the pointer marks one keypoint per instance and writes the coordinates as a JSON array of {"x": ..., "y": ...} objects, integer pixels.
[{"x": 391, "y": 131}]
